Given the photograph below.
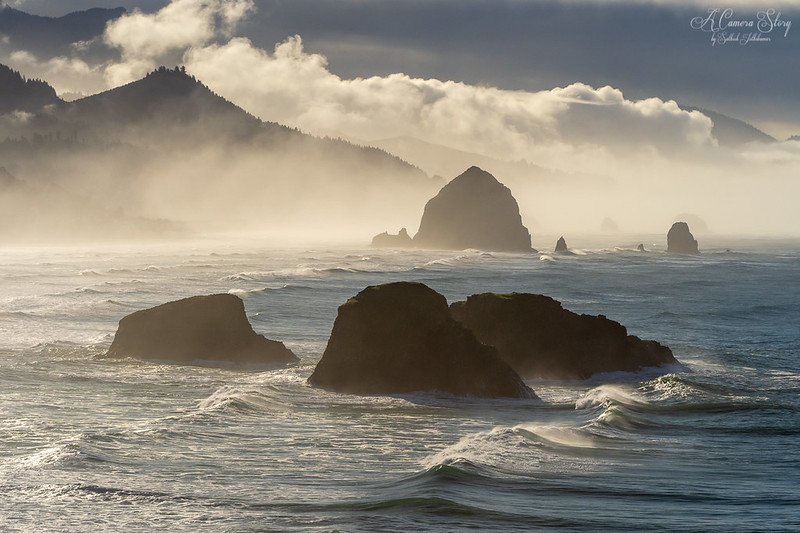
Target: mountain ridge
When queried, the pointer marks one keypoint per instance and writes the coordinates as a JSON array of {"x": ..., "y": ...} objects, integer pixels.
[
  {"x": 18, "y": 93},
  {"x": 50, "y": 36},
  {"x": 167, "y": 147}
]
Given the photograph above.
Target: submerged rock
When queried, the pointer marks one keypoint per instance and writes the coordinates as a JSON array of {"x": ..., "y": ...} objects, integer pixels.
[
  {"x": 539, "y": 338},
  {"x": 474, "y": 210},
  {"x": 386, "y": 240},
  {"x": 399, "y": 338},
  {"x": 209, "y": 328},
  {"x": 561, "y": 245},
  {"x": 680, "y": 240}
]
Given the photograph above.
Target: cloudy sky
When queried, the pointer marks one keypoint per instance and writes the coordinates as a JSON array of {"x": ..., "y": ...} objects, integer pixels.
[
  {"x": 586, "y": 87},
  {"x": 644, "y": 49}
]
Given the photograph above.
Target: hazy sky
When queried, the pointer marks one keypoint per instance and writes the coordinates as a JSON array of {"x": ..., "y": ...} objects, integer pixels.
[
  {"x": 645, "y": 49},
  {"x": 586, "y": 88}
]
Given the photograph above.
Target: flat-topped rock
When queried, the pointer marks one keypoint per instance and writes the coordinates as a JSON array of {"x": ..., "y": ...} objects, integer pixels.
[
  {"x": 539, "y": 338},
  {"x": 474, "y": 210},
  {"x": 400, "y": 338},
  {"x": 200, "y": 328},
  {"x": 680, "y": 240}
]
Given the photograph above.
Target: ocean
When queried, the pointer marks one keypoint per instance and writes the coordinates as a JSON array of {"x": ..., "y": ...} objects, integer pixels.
[{"x": 88, "y": 444}]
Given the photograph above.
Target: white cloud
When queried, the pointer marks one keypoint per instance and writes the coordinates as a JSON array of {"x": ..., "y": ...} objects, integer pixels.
[
  {"x": 148, "y": 40},
  {"x": 66, "y": 74},
  {"x": 294, "y": 87}
]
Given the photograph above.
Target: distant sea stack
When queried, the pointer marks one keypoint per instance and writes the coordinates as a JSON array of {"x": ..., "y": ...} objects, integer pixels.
[
  {"x": 400, "y": 337},
  {"x": 539, "y": 338},
  {"x": 680, "y": 240},
  {"x": 474, "y": 210},
  {"x": 386, "y": 240},
  {"x": 561, "y": 245},
  {"x": 201, "y": 328}
]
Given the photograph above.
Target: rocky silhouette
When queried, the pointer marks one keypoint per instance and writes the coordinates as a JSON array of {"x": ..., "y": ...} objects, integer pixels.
[
  {"x": 680, "y": 240},
  {"x": 539, "y": 338},
  {"x": 474, "y": 210},
  {"x": 640, "y": 247},
  {"x": 561, "y": 245},
  {"x": 387, "y": 240},
  {"x": 399, "y": 338},
  {"x": 201, "y": 328}
]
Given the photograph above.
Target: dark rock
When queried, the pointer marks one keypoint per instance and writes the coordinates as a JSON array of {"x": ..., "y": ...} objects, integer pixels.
[
  {"x": 209, "y": 328},
  {"x": 680, "y": 240},
  {"x": 473, "y": 211},
  {"x": 561, "y": 245},
  {"x": 539, "y": 338},
  {"x": 386, "y": 240},
  {"x": 399, "y": 338},
  {"x": 640, "y": 248}
]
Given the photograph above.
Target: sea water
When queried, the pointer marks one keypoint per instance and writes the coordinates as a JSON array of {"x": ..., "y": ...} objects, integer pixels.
[{"x": 88, "y": 444}]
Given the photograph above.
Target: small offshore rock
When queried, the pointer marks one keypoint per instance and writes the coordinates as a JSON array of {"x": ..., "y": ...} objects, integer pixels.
[
  {"x": 387, "y": 240},
  {"x": 680, "y": 240}
]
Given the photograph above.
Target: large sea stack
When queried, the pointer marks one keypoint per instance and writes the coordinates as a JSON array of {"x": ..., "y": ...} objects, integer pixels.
[
  {"x": 201, "y": 328},
  {"x": 680, "y": 240},
  {"x": 539, "y": 338},
  {"x": 474, "y": 210},
  {"x": 399, "y": 338}
]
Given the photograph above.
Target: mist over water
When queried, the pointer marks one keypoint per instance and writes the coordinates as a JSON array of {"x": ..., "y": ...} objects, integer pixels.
[
  {"x": 131, "y": 445},
  {"x": 167, "y": 150},
  {"x": 263, "y": 173}
]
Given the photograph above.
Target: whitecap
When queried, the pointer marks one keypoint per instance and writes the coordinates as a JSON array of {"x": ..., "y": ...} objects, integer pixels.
[{"x": 606, "y": 395}]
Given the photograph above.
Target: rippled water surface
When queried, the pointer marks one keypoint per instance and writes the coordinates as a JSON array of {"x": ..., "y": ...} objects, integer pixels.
[{"x": 100, "y": 445}]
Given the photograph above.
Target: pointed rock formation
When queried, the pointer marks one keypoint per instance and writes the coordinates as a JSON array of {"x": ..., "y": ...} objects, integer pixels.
[
  {"x": 680, "y": 240},
  {"x": 474, "y": 210},
  {"x": 206, "y": 328},
  {"x": 386, "y": 240},
  {"x": 640, "y": 248},
  {"x": 539, "y": 338},
  {"x": 400, "y": 337},
  {"x": 561, "y": 245}
]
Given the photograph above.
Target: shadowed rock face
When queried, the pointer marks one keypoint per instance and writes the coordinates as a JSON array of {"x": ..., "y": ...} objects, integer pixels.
[
  {"x": 539, "y": 338},
  {"x": 385, "y": 240},
  {"x": 473, "y": 211},
  {"x": 561, "y": 245},
  {"x": 680, "y": 240},
  {"x": 213, "y": 328},
  {"x": 398, "y": 338}
]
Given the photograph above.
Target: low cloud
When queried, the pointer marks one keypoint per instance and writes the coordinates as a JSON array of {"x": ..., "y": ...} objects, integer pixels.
[
  {"x": 66, "y": 74},
  {"x": 148, "y": 40},
  {"x": 652, "y": 158},
  {"x": 294, "y": 87}
]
